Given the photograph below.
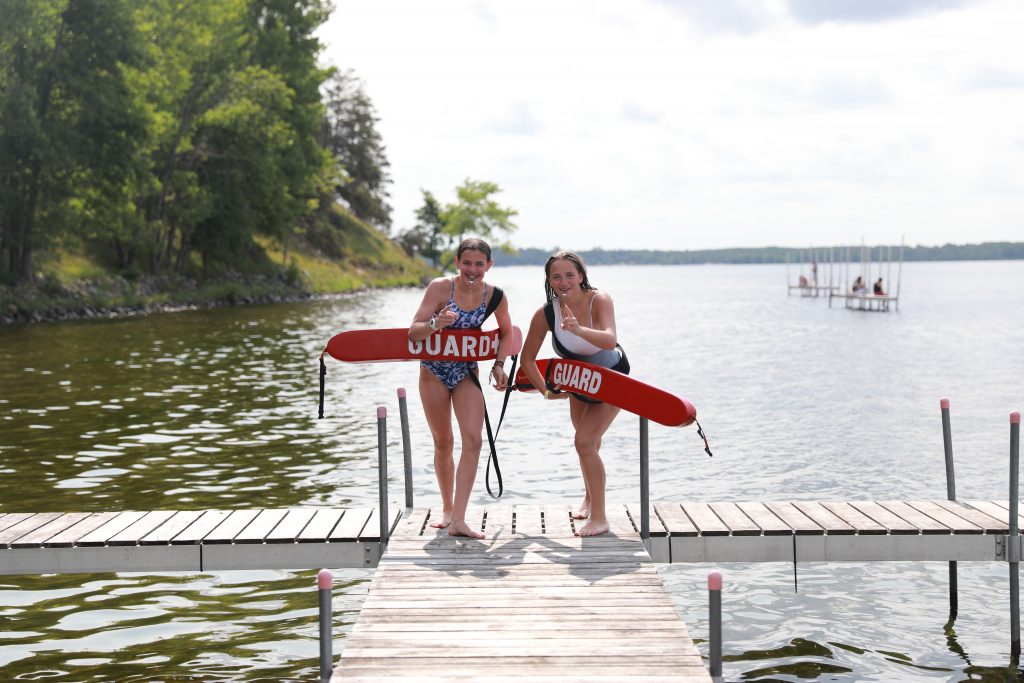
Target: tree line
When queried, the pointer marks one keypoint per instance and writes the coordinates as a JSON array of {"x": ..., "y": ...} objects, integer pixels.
[
  {"x": 947, "y": 252},
  {"x": 166, "y": 135}
]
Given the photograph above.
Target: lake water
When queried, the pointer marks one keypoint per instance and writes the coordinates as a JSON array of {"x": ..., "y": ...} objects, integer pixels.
[{"x": 217, "y": 409}]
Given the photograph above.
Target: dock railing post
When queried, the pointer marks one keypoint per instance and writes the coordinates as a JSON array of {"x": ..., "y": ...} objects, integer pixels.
[
  {"x": 715, "y": 625},
  {"x": 403, "y": 412},
  {"x": 382, "y": 473},
  {"x": 1013, "y": 542},
  {"x": 947, "y": 444},
  {"x": 325, "y": 581},
  {"x": 645, "y": 486}
]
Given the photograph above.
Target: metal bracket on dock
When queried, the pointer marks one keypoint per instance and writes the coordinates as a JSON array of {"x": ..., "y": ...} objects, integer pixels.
[
  {"x": 1008, "y": 548},
  {"x": 368, "y": 555}
]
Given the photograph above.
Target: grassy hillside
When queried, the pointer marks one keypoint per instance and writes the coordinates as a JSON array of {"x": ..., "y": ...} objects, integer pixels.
[{"x": 334, "y": 253}]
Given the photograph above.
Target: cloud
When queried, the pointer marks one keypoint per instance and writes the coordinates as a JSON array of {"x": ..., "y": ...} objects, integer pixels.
[
  {"x": 846, "y": 92},
  {"x": 517, "y": 119},
  {"x": 725, "y": 16},
  {"x": 864, "y": 11},
  {"x": 636, "y": 113},
  {"x": 993, "y": 78}
]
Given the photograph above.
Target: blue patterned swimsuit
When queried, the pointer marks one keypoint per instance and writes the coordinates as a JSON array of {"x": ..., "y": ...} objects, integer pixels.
[{"x": 451, "y": 372}]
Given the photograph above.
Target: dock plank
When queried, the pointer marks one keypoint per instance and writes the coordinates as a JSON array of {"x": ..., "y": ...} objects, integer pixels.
[
  {"x": 527, "y": 520},
  {"x": 133, "y": 533},
  {"x": 764, "y": 518},
  {"x": 198, "y": 530},
  {"x": 800, "y": 523},
  {"x": 38, "y": 536},
  {"x": 734, "y": 518},
  {"x": 891, "y": 522},
  {"x": 163, "y": 534},
  {"x": 705, "y": 519},
  {"x": 24, "y": 526},
  {"x": 926, "y": 524},
  {"x": 72, "y": 534},
  {"x": 956, "y": 523},
  {"x": 674, "y": 519},
  {"x": 558, "y": 521},
  {"x": 854, "y": 517},
  {"x": 987, "y": 523},
  {"x": 560, "y": 606},
  {"x": 824, "y": 518},
  {"x": 320, "y": 527}
]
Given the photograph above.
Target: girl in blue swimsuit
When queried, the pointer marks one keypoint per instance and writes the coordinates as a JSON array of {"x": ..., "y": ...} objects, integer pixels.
[
  {"x": 452, "y": 372},
  {"x": 458, "y": 302}
]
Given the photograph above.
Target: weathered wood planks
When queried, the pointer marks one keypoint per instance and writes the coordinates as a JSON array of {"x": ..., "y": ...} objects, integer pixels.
[
  {"x": 197, "y": 540},
  {"x": 681, "y": 532},
  {"x": 531, "y": 602}
]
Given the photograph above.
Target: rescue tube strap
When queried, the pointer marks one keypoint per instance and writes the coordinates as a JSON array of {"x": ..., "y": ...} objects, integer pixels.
[
  {"x": 700, "y": 433},
  {"x": 492, "y": 436},
  {"x": 323, "y": 379}
]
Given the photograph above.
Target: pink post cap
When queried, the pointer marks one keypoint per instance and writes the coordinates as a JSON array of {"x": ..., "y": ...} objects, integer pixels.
[
  {"x": 1015, "y": 417},
  {"x": 944, "y": 403},
  {"x": 324, "y": 580},
  {"x": 401, "y": 392},
  {"x": 382, "y": 412},
  {"x": 714, "y": 581}
]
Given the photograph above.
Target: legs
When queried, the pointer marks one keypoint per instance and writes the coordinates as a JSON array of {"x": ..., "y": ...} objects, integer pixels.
[
  {"x": 576, "y": 409},
  {"x": 437, "y": 407},
  {"x": 591, "y": 421},
  {"x": 469, "y": 411},
  {"x": 456, "y": 485}
]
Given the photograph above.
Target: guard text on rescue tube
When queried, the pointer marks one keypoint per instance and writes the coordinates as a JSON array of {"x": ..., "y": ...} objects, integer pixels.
[
  {"x": 584, "y": 380},
  {"x": 456, "y": 347}
]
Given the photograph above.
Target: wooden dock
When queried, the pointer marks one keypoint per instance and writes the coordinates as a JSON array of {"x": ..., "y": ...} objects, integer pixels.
[
  {"x": 308, "y": 538},
  {"x": 811, "y": 290},
  {"x": 189, "y": 540},
  {"x": 866, "y": 302},
  {"x": 530, "y": 602}
]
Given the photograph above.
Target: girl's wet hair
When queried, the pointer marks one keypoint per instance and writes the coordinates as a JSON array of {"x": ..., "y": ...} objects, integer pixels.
[
  {"x": 473, "y": 244},
  {"x": 575, "y": 259}
]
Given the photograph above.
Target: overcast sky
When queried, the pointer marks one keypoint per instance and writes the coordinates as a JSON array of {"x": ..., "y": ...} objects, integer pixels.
[{"x": 698, "y": 124}]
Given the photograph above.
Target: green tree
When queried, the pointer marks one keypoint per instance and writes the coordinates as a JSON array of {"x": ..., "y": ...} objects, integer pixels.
[
  {"x": 237, "y": 108},
  {"x": 476, "y": 213},
  {"x": 424, "y": 238},
  {"x": 350, "y": 133},
  {"x": 69, "y": 127}
]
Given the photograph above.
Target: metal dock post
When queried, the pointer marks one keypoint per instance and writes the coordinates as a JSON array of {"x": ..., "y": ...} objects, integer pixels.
[
  {"x": 403, "y": 412},
  {"x": 947, "y": 443}
]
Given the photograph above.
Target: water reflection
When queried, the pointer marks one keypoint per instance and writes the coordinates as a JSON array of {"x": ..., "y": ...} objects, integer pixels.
[{"x": 216, "y": 409}]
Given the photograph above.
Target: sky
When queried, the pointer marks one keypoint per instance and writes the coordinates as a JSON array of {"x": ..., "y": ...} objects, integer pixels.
[{"x": 702, "y": 124}]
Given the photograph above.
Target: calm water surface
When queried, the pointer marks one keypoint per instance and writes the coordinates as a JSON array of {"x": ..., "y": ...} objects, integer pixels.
[{"x": 216, "y": 409}]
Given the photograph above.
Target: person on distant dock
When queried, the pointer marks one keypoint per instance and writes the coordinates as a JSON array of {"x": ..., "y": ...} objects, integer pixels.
[
  {"x": 879, "y": 290},
  {"x": 581, "y": 320},
  {"x": 459, "y": 302},
  {"x": 858, "y": 285}
]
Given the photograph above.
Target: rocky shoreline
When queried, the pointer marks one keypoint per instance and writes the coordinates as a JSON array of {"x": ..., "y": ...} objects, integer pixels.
[{"x": 51, "y": 303}]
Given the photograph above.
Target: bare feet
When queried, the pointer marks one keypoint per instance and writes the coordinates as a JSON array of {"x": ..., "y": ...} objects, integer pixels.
[
  {"x": 592, "y": 528},
  {"x": 446, "y": 519},
  {"x": 584, "y": 509},
  {"x": 462, "y": 529}
]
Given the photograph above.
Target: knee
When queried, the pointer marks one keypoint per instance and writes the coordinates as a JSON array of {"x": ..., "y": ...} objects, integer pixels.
[
  {"x": 585, "y": 445},
  {"x": 472, "y": 443},
  {"x": 444, "y": 443}
]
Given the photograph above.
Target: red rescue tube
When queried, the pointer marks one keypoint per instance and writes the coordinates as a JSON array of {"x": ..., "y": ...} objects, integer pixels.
[
  {"x": 374, "y": 346},
  {"x": 615, "y": 388}
]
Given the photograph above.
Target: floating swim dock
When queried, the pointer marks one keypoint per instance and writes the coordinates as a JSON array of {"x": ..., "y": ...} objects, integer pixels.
[{"x": 680, "y": 532}]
